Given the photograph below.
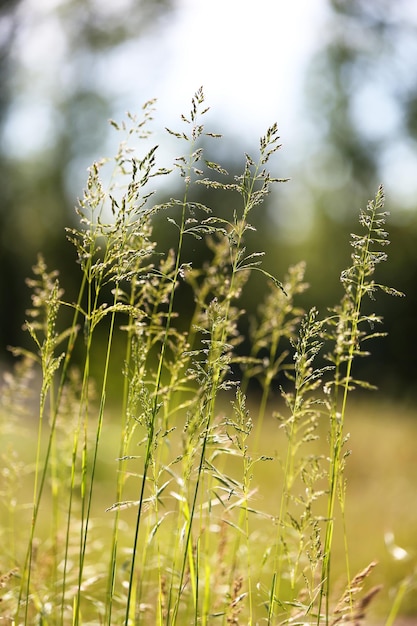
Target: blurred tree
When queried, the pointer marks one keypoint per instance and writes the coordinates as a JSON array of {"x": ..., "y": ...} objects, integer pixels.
[
  {"x": 59, "y": 67},
  {"x": 361, "y": 99},
  {"x": 8, "y": 25},
  {"x": 361, "y": 114}
]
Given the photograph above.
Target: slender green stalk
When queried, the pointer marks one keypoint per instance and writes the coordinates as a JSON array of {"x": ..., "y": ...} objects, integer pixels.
[
  {"x": 46, "y": 296},
  {"x": 403, "y": 587},
  {"x": 187, "y": 174},
  {"x": 298, "y": 428},
  {"x": 251, "y": 196},
  {"x": 348, "y": 337},
  {"x": 92, "y": 470},
  {"x": 124, "y": 442}
]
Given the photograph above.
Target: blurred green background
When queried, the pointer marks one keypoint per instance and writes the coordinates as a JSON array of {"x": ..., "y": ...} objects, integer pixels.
[{"x": 67, "y": 66}]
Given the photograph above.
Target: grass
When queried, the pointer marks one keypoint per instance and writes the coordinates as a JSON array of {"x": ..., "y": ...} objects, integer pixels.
[{"x": 220, "y": 508}]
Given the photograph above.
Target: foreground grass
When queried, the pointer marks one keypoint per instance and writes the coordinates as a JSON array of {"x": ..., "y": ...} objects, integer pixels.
[
  {"x": 186, "y": 500},
  {"x": 381, "y": 500}
]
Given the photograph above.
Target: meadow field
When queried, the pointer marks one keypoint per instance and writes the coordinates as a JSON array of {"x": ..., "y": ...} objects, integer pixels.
[
  {"x": 155, "y": 473},
  {"x": 381, "y": 504}
]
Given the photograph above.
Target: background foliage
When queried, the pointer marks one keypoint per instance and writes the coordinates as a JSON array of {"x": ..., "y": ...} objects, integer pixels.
[{"x": 366, "y": 61}]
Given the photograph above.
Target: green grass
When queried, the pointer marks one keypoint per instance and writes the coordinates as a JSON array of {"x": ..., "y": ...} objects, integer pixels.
[
  {"x": 381, "y": 486},
  {"x": 176, "y": 495}
]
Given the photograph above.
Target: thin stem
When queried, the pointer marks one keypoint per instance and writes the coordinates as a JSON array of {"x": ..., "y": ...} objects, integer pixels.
[{"x": 152, "y": 421}]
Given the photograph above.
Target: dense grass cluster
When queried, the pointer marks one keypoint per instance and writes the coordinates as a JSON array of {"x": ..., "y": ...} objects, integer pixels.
[{"x": 184, "y": 539}]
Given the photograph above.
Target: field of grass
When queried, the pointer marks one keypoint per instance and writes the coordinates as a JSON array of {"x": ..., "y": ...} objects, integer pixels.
[
  {"x": 381, "y": 499},
  {"x": 177, "y": 495}
]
